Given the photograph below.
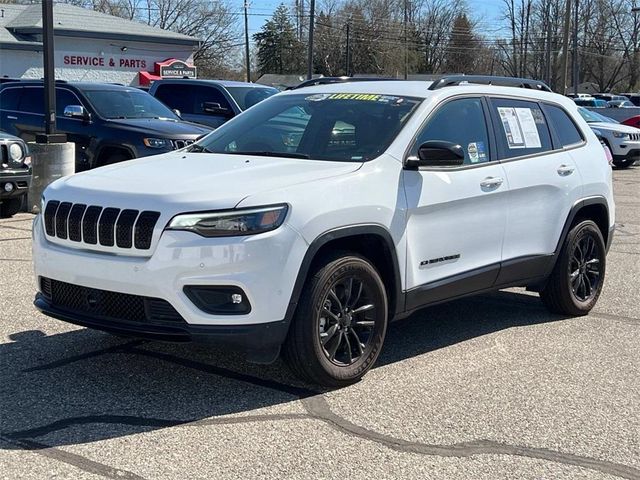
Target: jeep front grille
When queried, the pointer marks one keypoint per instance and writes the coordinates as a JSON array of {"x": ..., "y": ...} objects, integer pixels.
[
  {"x": 178, "y": 144},
  {"x": 634, "y": 136},
  {"x": 97, "y": 225}
]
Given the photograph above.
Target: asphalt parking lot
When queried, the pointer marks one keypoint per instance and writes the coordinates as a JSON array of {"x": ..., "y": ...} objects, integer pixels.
[{"x": 486, "y": 387}]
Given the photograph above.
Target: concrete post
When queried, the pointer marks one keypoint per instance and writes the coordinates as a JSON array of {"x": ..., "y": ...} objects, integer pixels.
[{"x": 49, "y": 161}]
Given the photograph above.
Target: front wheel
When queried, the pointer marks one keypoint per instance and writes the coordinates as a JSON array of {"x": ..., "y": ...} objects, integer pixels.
[
  {"x": 11, "y": 206},
  {"x": 340, "y": 323},
  {"x": 577, "y": 278}
]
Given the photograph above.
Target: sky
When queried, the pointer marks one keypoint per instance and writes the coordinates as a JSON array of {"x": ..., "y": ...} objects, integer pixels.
[{"x": 486, "y": 12}]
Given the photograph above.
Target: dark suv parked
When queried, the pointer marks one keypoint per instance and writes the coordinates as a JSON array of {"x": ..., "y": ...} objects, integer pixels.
[
  {"x": 108, "y": 123},
  {"x": 209, "y": 102},
  {"x": 15, "y": 174}
]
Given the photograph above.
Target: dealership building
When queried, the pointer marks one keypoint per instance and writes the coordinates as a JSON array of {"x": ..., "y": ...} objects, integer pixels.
[{"x": 92, "y": 47}]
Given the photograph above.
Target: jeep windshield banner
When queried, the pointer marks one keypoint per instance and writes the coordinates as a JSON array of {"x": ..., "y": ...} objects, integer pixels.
[{"x": 364, "y": 97}]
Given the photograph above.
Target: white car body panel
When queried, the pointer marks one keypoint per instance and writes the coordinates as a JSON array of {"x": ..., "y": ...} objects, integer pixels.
[{"x": 428, "y": 214}]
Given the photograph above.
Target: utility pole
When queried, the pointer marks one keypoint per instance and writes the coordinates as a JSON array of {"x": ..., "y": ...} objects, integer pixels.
[
  {"x": 346, "y": 59},
  {"x": 565, "y": 47},
  {"x": 547, "y": 53},
  {"x": 406, "y": 48},
  {"x": 312, "y": 13},
  {"x": 49, "y": 72},
  {"x": 574, "y": 65},
  {"x": 246, "y": 40}
]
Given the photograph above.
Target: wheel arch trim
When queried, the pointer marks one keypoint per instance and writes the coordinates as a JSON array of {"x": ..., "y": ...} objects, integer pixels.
[{"x": 341, "y": 233}]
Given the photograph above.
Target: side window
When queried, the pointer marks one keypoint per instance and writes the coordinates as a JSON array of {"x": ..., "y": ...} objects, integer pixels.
[
  {"x": 565, "y": 129},
  {"x": 176, "y": 96},
  {"x": 208, "y": 94},
  {"x": 520, "y": 127},
  {"x": 461, "y": 122},
  {"x": 32, "y": 100},
  {"x": 65, "y": 98},
  {"x": 9, "y": 98}
]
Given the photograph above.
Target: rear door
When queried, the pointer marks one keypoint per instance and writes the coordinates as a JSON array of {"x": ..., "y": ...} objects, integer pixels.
[
  {"x": 456, "y": 216},
  {"x": 9, "y": 101},
  {"x": 544, "y": 183},
  {"x": 190, "y": 100}
]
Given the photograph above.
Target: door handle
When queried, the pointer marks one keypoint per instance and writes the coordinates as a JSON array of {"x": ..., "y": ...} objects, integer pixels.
[
  {"x": 564, "y": 170},
  {"x": 491, "y": 182},
  {"x": 11, "y": 117}
]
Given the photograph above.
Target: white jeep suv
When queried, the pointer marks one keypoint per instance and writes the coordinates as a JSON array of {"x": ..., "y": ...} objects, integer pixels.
[
  {"x": 313, "y": 219},
  {"x": 623, "y": 141}
]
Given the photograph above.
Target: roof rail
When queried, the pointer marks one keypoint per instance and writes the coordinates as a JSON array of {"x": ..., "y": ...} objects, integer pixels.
[
  {"x": 329, "y": 80},
  {"x": 453, "y": 80}
]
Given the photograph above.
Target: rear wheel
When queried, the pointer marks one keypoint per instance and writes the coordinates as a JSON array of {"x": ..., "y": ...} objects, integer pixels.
[
  {"x": 11, "y": 206},
  {"x": 340, "y": 323},
  {"x": 577, "y": 278}
]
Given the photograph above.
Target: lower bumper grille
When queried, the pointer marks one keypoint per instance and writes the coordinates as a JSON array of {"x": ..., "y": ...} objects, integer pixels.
[{"x": 109, "y": 305}]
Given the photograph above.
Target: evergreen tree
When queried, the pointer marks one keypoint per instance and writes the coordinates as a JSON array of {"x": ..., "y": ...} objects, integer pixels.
[
  {"x": 279, "y": 50},
  {"x": 463, "y": 48}
]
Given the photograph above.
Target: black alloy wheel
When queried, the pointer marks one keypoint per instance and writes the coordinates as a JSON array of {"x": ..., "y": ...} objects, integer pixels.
[
  {"x": 340, "y": 323},
  {"x": 347, "y": 321},
  {"x": 577, "y": 278}
]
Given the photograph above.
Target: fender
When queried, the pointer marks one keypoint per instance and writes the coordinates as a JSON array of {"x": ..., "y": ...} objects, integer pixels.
[
  {"x": 121, "y": 146},
  {"x": 343, "y": 232}
]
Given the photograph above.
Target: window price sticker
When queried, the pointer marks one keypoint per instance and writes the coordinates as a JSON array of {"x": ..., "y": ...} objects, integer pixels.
[{"x": 519, "y": 127}]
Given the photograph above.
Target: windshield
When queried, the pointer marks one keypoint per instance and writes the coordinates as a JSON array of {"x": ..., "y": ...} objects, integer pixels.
[
  {"x": 347, "y": 127},
  {"x": 593, "y": 117},
  {"x": 247, "y": 97},
  {"x": 128, "y": 104}
]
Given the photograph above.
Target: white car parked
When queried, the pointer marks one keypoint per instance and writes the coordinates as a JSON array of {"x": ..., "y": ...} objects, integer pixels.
[
  {"x": 312, "y": 220},
  {"x": 622, "y": 140}
]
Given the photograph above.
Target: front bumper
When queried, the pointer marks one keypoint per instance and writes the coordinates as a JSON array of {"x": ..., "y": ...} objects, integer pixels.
[
  {"x": 263, "y": 337},
  {"x": 20, "y": 181},
  {"x": 630, "y": 156},
  {"x": 264, "y": 266}
]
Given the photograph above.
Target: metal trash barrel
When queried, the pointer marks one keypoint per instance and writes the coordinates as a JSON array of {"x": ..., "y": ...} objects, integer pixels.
[{"x": 49, "y": 162}]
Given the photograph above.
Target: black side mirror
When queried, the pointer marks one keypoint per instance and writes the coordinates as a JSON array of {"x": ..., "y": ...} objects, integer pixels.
[
  {"x": 214, "y": 108},
  {"x": 437, "y": 153}
]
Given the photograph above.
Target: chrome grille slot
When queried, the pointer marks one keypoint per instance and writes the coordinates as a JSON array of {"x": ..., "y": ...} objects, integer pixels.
[
  {"x": 90, "y": 225},
  {"x": 178, "y": 144},
  {"x": 106, "y": 226},
  {"x": 124, "y": 228},
  {"x": 50, "y": 217},
  {"x": 144, "y": 229},
  {"x": 62, "y": 216},
  {"x": 95, "y": 225},
  {"x": 75, "y": 222}
]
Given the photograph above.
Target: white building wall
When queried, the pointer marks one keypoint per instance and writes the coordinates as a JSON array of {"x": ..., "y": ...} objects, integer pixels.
[{"x": 109, "y": 60}]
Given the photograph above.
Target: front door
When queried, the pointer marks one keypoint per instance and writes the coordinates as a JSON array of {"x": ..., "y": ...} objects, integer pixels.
[{"x": 456, "y": 215}]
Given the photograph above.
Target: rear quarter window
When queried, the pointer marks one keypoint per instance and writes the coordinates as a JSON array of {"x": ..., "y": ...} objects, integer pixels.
[
  {"x": 521, "y": 128},
  {"x": 563, "y": 126}
]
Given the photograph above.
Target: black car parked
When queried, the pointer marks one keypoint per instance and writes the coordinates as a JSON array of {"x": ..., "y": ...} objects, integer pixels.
[
  {"x": 209, "y": 102},
  {"x": 108, "y": 123},
  {"x": 15, "y": 174}
]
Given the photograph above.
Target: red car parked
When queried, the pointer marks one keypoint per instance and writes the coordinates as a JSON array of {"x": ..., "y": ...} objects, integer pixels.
[{"x": 633, "y": 121}]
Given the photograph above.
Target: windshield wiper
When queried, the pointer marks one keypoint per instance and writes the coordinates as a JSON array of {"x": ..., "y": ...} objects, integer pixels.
[
  {"x": 271, "y": 154},
  {"x": 195, "y": 148}
]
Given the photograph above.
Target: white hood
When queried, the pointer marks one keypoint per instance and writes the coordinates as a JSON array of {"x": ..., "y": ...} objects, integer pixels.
[
  {"x": 614, "y": 127},
  {"x": 181, "y": 182}
]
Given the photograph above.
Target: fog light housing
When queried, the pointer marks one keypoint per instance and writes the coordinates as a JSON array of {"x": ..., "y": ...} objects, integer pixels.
[
  {"x": 218, "y": 300},
  {"x": 8, "y": 187}
]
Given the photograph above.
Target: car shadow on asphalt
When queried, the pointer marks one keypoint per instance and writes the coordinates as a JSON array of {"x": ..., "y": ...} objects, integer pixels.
[{"x": 83, "y": 386}]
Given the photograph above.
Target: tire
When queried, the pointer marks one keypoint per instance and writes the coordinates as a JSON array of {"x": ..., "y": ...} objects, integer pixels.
[
  {"x": 336, "y": 348},
  {"x": 10, "y": 207},
  {"x": 576, "y": 282},
  {"x": 626, "y": 163}
]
